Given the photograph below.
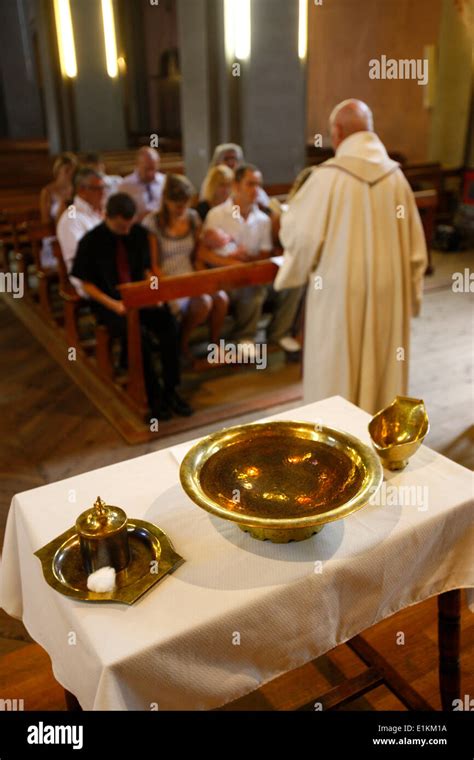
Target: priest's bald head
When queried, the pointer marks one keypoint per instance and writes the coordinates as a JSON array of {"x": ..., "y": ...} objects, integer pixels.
[{"x": 348, "y": 117}]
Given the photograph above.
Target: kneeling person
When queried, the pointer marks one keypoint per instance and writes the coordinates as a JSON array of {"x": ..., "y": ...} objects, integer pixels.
[{"x": 114, "y": 253}]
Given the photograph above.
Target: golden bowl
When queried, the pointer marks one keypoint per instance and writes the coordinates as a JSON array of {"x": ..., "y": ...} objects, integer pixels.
[
  {"x": 281, "y": 480},
  {"x": 398, "y": 431}
]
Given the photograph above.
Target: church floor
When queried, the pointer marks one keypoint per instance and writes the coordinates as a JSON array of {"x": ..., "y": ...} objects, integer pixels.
[{"x": 51, "y": 431}]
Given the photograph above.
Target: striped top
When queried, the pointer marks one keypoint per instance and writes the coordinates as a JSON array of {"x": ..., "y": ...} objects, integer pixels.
[{"x": 175, "y": 252}]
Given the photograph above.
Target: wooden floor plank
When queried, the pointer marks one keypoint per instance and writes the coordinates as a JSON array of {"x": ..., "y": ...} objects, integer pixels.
[
  {"x": 112, "y": 402},
  {"x": 26, "y": 675}
]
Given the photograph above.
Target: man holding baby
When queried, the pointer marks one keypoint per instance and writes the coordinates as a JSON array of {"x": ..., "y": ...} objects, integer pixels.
[{"x": 238, "y": 231}]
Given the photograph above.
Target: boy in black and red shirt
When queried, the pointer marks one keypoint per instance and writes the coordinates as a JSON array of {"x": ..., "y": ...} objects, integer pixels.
[{"x": 117, "y": 252}]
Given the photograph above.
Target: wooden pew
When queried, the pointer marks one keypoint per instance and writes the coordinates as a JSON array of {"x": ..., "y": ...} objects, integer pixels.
[
  {"x": 7, "y": 240},
  {"x": 30, "y": 242},
  {"x": 139, "y": 295},
  {"x": 427, "y": 204},
  {"x": 71, "y": 299},
  {"x": 11, "y": 221},
  {"x": 17, "y": 202},
  {"x": 35, "y": 164},
  {"x": 73, "y": 305},
  {"x": 123, "y": 162},
  {"x": 425, "y": 175}
]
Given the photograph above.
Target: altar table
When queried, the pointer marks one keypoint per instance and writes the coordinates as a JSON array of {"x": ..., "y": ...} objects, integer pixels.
[{"x": 239, "y": 612}]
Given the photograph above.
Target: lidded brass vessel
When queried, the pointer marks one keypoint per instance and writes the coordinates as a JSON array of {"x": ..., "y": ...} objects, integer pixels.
[{"x": 103, "y": 536}]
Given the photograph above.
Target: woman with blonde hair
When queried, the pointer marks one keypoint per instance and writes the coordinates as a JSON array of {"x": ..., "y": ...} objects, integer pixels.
[
  {"x": 177, "y": 228},
  {"x": 55, "y": 196},
  {"x": 231, "y": 155},
  {"x": 218, "y": 186}
]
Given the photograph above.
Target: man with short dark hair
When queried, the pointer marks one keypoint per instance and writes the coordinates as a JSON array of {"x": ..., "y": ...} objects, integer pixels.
[
  {"x": 85, "y": 213},
  {"x": 114, "y": 253},
  {"x": 111, "y": 181}
]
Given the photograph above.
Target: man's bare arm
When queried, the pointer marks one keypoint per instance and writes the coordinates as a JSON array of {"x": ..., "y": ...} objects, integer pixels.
[{"x": 206, "y": 256}]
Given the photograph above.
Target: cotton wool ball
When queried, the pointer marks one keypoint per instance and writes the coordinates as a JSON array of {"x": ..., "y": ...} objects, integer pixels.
[{"x": 102, "y": 580}]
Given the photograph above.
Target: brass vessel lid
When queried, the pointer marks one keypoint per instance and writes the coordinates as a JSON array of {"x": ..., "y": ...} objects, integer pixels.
[{"x": 101, "y": 521}]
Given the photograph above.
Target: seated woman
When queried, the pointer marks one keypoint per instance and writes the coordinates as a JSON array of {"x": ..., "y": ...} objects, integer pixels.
[
  {"x": 177, "y": 229},
  {"x": 232, "y": 156},
  {"x": 54, "y": 198},
  {"x": 217, "y": 188},
  {"x": 56, "y": 194}
]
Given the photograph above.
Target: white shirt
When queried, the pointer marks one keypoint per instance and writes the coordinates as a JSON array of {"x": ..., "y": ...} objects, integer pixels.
[
  {"x": 72, "y": 226},
  {"x": 255, "y": 232},
  {"x": 147, "y": 196},
  {"x": 112, "y": 183}
]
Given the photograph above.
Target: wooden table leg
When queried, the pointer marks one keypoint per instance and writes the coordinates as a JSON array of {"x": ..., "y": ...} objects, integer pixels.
[{"x": 449, "y": 638}]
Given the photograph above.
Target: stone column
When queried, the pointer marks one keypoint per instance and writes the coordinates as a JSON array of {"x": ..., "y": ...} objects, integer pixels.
[
  {"x": 99, "y": 111},
  {"x": 22, "y": 106},
  {"x": 261, "y": 103},
  {"x": 273, "y": 93},
  {"x": 86, "y": 112}
]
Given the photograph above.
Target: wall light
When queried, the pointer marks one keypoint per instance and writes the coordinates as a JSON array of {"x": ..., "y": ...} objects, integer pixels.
[
  {"x": 237, "y": 29},
  {"x": 109, "y": 38},
  {"x": 303, "y": 29},
  {"x": 67, "y": 50},
  {"x": 122, "y": 64}
]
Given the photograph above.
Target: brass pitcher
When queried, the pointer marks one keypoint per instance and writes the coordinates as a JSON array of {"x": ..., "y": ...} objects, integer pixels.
[
  {"x": 398, "y": 431},
  {"x": 103, "y": 537}
]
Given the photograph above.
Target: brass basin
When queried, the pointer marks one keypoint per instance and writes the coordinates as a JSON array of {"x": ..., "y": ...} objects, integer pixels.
[
  {"x": 280, "y": 480},
  {"x": 398, "y": 431}
]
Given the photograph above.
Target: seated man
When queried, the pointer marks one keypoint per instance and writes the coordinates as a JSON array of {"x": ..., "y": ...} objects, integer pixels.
[
  {"x": 111, "y": 181},
  {"x": 85, "y": 213},
  {"x": 145, "y": 185},
  {"x": 248, "y": 237},
  {"x": 117, "y": 252}
]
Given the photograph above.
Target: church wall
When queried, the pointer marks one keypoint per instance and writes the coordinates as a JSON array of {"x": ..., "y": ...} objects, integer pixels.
[
  {"x": 450, "y": 118},
  {"x": 343, "y": 36}
]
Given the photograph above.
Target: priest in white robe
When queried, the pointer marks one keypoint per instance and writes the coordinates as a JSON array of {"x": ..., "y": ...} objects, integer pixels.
[{"x": 353, "y": 233}]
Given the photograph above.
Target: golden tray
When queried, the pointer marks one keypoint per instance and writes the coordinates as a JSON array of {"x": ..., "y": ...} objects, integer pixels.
[
  {"x": 63, "y": 569},
  {"x": 281, "y": 481}
]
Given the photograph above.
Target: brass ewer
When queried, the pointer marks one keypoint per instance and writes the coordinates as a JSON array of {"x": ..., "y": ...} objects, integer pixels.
[
  {"x": 103, "y": 537},
  {"x": 398, "y": 431}
]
